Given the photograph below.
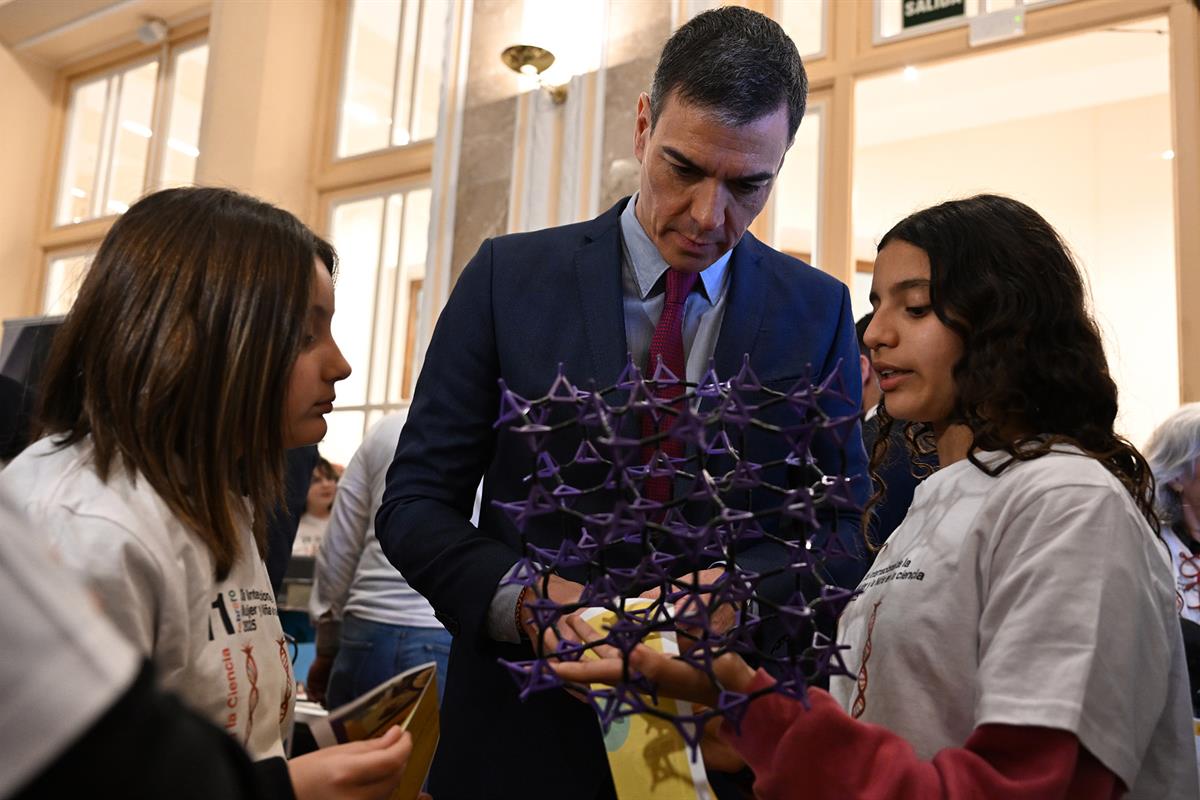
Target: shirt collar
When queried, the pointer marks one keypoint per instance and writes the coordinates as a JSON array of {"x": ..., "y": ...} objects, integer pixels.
[{"x": 648, "y": 263}]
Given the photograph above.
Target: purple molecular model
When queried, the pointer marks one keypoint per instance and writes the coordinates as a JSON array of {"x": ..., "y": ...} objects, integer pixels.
[{"x": 594, "y": 457}]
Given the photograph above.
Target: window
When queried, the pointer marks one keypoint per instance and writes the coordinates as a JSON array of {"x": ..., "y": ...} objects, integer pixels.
[
  {"x": 392, "y": 74},
  {"x": 108, "y": 140},
  {"x": 797, "y": 194},
  {"x": 804, "y": 22},
  {"x": 390, "y": 65},
  {"x": 131, "y": 125},
  {"x": 64, "y": 274},
  {"x": 1078, "y": 127},
  {"x": 381, "y": 240},
  {"x": 112, "y": 155},
  {"x": 183, "y": 117}
]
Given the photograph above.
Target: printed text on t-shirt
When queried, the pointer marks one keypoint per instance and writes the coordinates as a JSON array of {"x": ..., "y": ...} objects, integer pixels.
[{"x": 896, "y": 571}]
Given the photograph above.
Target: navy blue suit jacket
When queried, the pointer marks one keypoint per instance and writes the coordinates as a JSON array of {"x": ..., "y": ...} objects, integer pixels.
[{"x": 525, "y": 303}]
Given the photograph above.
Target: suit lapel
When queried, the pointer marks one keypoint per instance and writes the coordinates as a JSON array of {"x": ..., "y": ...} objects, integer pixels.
[
  {"x": 598, "y": 272},
  {"x": 743, "y": 309}
]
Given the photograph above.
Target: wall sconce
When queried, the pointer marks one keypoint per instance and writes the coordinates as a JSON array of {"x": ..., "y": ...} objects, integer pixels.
[{"x": 532, "y": 61}]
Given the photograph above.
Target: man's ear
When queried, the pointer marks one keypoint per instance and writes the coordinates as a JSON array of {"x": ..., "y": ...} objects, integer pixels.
[
  {"x": 1175, "y": 486},
  {"x": 864, "y": 367},
  {"x": 642, "y": 127}
]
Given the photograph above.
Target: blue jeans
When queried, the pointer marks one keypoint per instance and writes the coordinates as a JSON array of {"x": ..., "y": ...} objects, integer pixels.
[{"x": 373, "y": 652}]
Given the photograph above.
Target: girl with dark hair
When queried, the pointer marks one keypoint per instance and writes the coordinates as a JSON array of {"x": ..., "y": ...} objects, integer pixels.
[
  {"x": 198, "y": 351},
  {"x": 1016, "y": 636}
]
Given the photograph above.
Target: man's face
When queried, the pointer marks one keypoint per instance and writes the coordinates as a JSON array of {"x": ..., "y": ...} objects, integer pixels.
[{"x": 703, "y": 182}]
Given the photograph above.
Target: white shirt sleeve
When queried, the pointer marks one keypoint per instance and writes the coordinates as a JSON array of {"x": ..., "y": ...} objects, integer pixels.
[
  {"x": 352, "y": 519},
  {"x": 63, "y": 664},
  {"x": 145, "y": 594}
]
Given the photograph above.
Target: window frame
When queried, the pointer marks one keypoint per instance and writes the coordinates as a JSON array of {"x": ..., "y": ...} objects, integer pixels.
[
  {"x": 55, "y": 240},
  {"x": 331, "y": 173},
  {"x": 951, "y": 23},
  {"x": 369, "y": 191},
  {"x": 394, "y": 168},
  {"x": 856, "y": 52}
]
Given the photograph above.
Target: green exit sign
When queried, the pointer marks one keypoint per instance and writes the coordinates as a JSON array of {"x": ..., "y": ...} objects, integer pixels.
[{"x": 918, "y": 12}]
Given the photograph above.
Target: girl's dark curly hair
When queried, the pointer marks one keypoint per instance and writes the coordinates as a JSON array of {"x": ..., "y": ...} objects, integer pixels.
[{"x": 1033, "y": 373}]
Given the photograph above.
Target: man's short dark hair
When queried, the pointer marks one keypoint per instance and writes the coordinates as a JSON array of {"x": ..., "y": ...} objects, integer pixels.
[
  {"x": 735, "y": 63},
  {"x": 860, "y": 328}
]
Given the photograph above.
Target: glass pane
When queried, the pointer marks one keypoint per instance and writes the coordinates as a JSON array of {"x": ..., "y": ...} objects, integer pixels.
[
  {"x": 797, "y": 192},
  {"x": 344, "y": 436},
  {"x": 187, "y": 101},
  {"x": 804, "y": 21},
  {"x": 385, "y": 300},
  {"x": 408, "y": 305},
  {"x": 1078, "y": 128},
  {"x": 135, "y": 114},
  {"x": 356, "y": 235},
  {"x": 64, "y": 275},
  {"x": 435, "y": 16},
  {"x": 369, "y": 79},
  {"x": 402, "y": 110},
  {"x": 81, "y": 160}
]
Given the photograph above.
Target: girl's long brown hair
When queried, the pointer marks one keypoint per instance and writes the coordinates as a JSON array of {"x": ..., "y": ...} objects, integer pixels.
[
  {"x": 1033, "y": 373},
  {"x": 176, "y": 356}
]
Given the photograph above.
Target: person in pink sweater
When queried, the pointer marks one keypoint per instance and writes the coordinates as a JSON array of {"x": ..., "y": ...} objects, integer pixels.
[{"x": 1016, "y": 635}]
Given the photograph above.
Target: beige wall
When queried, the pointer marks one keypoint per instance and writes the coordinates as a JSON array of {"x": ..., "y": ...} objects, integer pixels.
[
  {"x": 28, "y": 96},
  {"x": 1097, "y": 175},
  {"x": 260, "y": 100},
  {"x": 489, "y": 117}
]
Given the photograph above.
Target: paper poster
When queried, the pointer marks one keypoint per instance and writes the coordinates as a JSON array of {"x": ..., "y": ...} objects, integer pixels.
[{"x": 647, "y": 756}]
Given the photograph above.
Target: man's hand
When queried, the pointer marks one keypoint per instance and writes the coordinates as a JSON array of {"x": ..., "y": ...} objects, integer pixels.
[
  {"x": 722, "y": 618},
  {"x": 561, "y": 591},
  {"x": 368, "y": 770},
  {"x": 317, "y": 681}
]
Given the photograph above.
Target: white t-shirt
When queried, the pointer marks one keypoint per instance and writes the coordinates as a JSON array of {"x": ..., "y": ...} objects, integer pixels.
[
  {"x": 1040, "y": 598},
  {"x": 63, "y": 665},
  {"x": 352, "y": 574},
  {"x": 219, "y": 646},
  {"x": 310, "y": 532}
]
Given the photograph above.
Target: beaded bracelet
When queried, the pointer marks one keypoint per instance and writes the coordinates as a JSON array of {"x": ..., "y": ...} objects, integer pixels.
[{"x": 517, "y": 614}]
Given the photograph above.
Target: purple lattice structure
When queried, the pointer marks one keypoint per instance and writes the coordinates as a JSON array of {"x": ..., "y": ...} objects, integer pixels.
[{"x": 722, "y": 504}]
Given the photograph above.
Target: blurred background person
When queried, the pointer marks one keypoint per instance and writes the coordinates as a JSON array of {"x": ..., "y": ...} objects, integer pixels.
[
  {"x": 285, "y": 519},
  {"x": 318, "y": 504},
  {"x": 1173, "y": 452},
  {"x": 371, "y": 624}
]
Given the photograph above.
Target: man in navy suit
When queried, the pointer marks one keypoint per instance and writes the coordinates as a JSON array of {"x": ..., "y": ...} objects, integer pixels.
[{"x": 727, "y": 98}]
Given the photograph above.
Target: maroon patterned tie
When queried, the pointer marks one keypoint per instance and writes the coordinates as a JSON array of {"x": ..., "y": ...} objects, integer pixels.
[{"x": 667, "y": 343}]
